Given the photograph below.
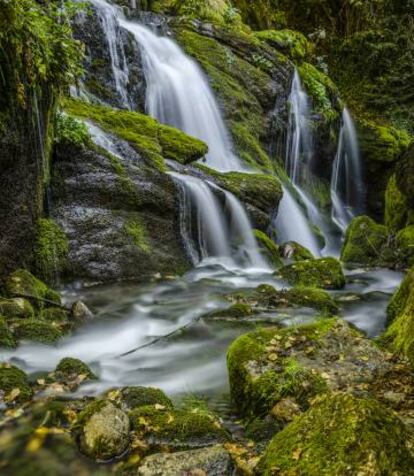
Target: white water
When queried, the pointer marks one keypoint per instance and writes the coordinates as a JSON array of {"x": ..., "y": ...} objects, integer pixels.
[
  {"x": 347, "y": 188},
  {"x": 178, "y": 94},
  {"x": 212, "y": 230},
  {"x": 109, "y": 17}
]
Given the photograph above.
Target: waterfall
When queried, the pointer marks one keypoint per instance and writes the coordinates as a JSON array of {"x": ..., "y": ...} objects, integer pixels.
[
  {"x": 178, "y": 94},
  {"x": 212, "y": 229},
  {"x": 109, "y": 17},
  {"x": 347, "y": 187}
]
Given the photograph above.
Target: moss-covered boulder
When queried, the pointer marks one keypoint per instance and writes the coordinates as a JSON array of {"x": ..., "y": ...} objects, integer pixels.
[
  {"x": 404, "y": 247},
  {"x": 292, "y": 43},
  {"x": 266, "y": 298},
  {"x": 7, "y": 339},
  {"x": 268, "y": 248},
  {"x": 57, "y": 314},
  {"x": 214, "y": 461},
  {"x": 16, "y": 307},
  {"x": 102, "y": 430},
  {"x": 366, "y": 242},
  {"x": 399, "y": 336},
  {"x": 270, "y": 365},
  {"x": 130, "y": 398},
  {"x": 324, "y": 273},
  {"x": 21, "y": 283},
  {"x": 70, "y": 368},
  {"x": 36, "y": 330},
  {"x": 341, "y": 434},
  {"x": 295, "y": 251},
  {"x": 177, "y": 428},
  {"x": 14, "y": 385}
]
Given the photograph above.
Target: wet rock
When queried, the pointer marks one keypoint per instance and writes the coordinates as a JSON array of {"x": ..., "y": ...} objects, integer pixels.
[
  {"x": 103, "y": 430},
  {"x": 214, "y": 461},
  {"x": 268, "y": 248},
  {"x": 175, "y": 428},
  {"x": 270, "y": 365},
  {"x": 341, "y": 434},
  {"x": 80, "y": 311},
  {"x": 324, "y": 273},
  {"x": 14, "y": 385},
  {"x": 130, "y": 398}
]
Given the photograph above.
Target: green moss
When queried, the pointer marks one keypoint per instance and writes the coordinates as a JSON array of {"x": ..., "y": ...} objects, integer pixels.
[
  {"x": 321, "y": 89},
  {"x": 268, "y": 248},
  {"x": 137, "y": 231},
  {"x": 21, "y": 283},
  {"x": 296, "y": 251},
  {"x": 255, "y": 386},
  {"x": 70, "y": 130},
  {"x": 51, "y": 248},
  {"x": 16, "y": 307},
  {"x": 293, "y": 43},
  {"x": 324, "y": 273},
  {"x": 54, "y": 314},
  {"x": 14, "y": 380},
  {"x": 69, "y": 367},
  {"x": 395, "y": 206},
  {"x": 312, "y": 297},
  {"x": 382, "y": 142},
  {"x": 400, "y": 298},
  {"x": 181, "y": 427},
  {"x": 236, "y": 310},
  {"x": 7, "y": 339},
  {"x": 152, "y": 140},
  {"x": 404, "y": 246},
  {"x": 130, "y": 398},
  {"x": 38, "y": 331},
  {"x": 366, "y": 242},
  {"x": 341, "y": 434}
]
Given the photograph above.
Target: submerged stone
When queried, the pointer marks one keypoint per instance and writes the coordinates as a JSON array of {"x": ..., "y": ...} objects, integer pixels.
[{"x": 341, "y": 434}]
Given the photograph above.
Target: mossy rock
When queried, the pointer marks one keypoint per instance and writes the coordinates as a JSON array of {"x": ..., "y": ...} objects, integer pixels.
[
  {"x": 399, "y": 336},
  {"x": 396, "y": 208},
  {"x": 130, "y": 398},
  {"x": 366, "y": 242},
  {"x": 57, "y": 314},
  {"x": 69, "y": 368},
  {"x": 295, "y": 251},
  {"x": 323, "y": 273},
  {"x": 154, "y": 141},
  {"x": 21, "y": 283},
  {"x": 341, "y": 434},
  {"x": 292, "y": 43},
  {"x": 177, "y": 428},
  {"x": 271, "y": 365},
  {"x": 37, "y": 331},
  {"x": 7, "y": 339},
  {"x": 235, "y": 311},
  {"x": 404, "y": 246},
  {"x": 266, "y": 297},
  {"x": 16, "y": 307},
  {"x": 268, "y": 248},
  {"x": 102, "y": 430},
  {"x": 14, "y": 384}
]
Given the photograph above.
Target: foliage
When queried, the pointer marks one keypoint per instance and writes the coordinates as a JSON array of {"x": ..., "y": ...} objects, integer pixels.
[{"x": 70, "y": 130}]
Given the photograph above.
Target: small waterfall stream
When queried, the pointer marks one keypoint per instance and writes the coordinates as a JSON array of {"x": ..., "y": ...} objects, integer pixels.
[{"x": 347, "y": 186}]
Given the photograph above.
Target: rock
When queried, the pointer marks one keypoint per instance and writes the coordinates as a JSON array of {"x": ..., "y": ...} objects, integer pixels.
[
  {"x": 266, "y": 297},
  {"x": 295, "y": 251},
  {"x": 80, "y": 311},
  {"x": 177, "y": 429},
  {"x": 341, "y": 434},
  {"x": 69, "y": 368},
  {"x": 236, "y": 311},
  {"x": 270, "y": 365},
  {"x": 404, "y": 247},
  {"x": 22, "y": 283},
  {"x": 399, "y": 336},
  {"x": 268, "y": 248},
  {"x": 285, "y": 410},
  {"x": 14, "y": 385},
  {"x": 37, "y": 331},
  {"x": 16, "y": 307},
  {"x": 130, "y": 398},
  {"x": 103, "y": 430},
  {"x": 366, "y": 243},
  {"x": 7, "y": 339},
  {"x": 323, "y": 273},
  {"x": 57, "y": 314},
  {"x": 213, "y": 461}
]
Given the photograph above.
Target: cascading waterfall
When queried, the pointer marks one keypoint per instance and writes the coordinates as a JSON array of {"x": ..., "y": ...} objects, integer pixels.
[
  {"x": 347, "y": 187},
  {"x": 109, "y": 17},
  {"x": 213, "y": 229},
  {"x": 178, "y": 94}
]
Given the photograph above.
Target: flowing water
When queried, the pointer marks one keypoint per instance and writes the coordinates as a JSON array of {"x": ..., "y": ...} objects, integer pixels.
[
  {"x": 347, "y": 186},
  {"x": 178, "y": 94}
]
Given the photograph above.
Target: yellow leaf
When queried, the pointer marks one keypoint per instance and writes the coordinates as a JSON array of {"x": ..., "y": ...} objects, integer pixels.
[
  {"x": 296, "y": 454},
  {"x": 159, "y": 407},
  {"x": 10, "y": 397},
  {"x": 170, "y": 419}
]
